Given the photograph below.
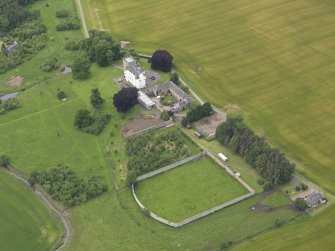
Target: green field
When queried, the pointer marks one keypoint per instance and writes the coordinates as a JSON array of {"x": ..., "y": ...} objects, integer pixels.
[
  {"x": 274, "y": 59},
  {"x": 188, "y": 190},
  {"x": 26, "y": 223},
  {"x": 276, "y": 199},
  {"x": 55, "y": 46}
]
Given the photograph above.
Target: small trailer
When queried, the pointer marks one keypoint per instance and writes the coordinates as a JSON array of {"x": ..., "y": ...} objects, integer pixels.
[{"x": 221, "y": 156}]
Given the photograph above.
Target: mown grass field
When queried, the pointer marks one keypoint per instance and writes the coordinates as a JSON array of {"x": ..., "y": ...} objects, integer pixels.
[
  {"x": 188, "y": 190},
  {"x": 274, "y": 59},
  {"x": 276, "y": 199},
  {"x": 26, "y": 223},
  {"x": 55, "y": 47}
]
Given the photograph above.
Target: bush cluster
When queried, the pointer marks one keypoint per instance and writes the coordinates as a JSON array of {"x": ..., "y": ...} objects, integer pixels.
[
  {"x": 197, "y": 113},
  {"x": 154, "y": 150},
  {"x": 270, "y": 163},
  {"x": 50, "y": 65},
  {"x": 63, "y": 185},
  {"x": 69, "y": 23},
  {"x": 74, "y": 45},
  {"x": 62, "y": 13},
  {"x": 91, "y": 123},
  {"x": 9, "y": 105},
  {"x": 4, "y": 160}
]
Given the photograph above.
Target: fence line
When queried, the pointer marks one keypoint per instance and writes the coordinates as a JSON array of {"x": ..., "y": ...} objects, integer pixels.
[
  {"x": 171, "y": 166},
  {"x": 202, "y": 214}
]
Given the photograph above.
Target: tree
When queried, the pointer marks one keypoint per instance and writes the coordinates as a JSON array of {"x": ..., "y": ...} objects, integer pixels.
[
  {"x": 125, "y": 99},
  {"x": 104, "y": 55},
  {"x": 96, "y": 100},
  {"x": 81, "y": 66},
  {"x": 165, "y": 115},
  {"x": 300, "y": 204},
  {"x": 4, "y": 161},
  {"x": 161, "y": 60},
  {"x": 175, "y": 78},
  {"x": 82, "y": 119},
  {"x": 61, "y": 95}
]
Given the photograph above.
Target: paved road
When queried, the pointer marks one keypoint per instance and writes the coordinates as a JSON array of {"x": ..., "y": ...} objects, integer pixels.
[
  {"x": 82, "y": 17},
  {"x": 47, "y": 202}
]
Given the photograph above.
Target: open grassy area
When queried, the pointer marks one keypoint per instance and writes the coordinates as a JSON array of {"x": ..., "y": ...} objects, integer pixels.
[
  {"x": 188, "y": 190},
  {"x": 55, "y": 47},
  {"x": 276, "y": 199},
  {"x": 274, "y": 59},
  {"x": 26, "y": 223}
]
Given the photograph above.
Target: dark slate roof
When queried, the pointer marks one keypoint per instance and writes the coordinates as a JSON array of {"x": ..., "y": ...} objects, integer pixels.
[
  {"x": 135, "y": 69},
  {"x": 172, "y": 86},
  {"x": 314, "y": 198}
]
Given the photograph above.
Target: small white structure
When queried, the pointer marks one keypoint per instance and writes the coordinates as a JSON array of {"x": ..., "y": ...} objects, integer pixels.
[
  {"x": 145, "y": 100},
  {"x": 221, "y": 156},
  {"x": 133, "y": 73},
  {"x": 237, "y": 175}
]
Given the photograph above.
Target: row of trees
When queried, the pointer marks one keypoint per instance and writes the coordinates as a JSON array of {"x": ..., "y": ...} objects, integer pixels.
[
  {"x": 92, "y": 123},
  {"x": 197, "y": 113},
  {"x": 63, "y": 185},
  {"x": 269, "y": 162},
  {"x": 9, "y": 105}
]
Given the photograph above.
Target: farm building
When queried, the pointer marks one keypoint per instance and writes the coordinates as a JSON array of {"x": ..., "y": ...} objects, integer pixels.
[
  {"x": 221, "y": 156},
  {"x": 144, "y": 100},
  {"x": 314, "y": 199},
  {"x": 8, "y": 44}
]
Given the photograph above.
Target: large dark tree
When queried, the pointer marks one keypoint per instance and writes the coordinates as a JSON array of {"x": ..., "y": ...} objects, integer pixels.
[
  {"x": 96, "y": 100},
  {"x": 81, "y": 66},
  {"x": 161, "y": 60},
  {"x": 125, "y": 99}
]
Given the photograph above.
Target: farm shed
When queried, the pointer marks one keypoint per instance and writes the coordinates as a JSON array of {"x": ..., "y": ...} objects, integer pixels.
[
  {"x": 144, "y": 100},
  {"x": 221, "y": 156}
]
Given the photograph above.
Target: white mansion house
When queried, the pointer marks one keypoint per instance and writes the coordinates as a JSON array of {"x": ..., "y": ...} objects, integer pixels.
[{"x": 133, "y": 73}]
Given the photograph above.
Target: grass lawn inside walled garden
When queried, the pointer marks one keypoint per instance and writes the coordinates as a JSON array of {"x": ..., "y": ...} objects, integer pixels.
[{"x": 188, "y": 190}]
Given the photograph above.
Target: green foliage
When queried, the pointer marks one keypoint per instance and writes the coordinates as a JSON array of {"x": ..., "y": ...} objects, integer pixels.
[
  {"x": 185, "y": 88},
  {"x": 63, "y": 185},
  {"x": 91, "y": 123},
  {"x": 167, "y": 100},
  {"x": 81, "y": 66},
  {"x": 267, "y": 186},
  {"x": 125, "y": 99},
  {"x": 154, "y": 150},
  {"x": 74, "y": 45},
  {"x": 260, "y": 182},
  {"x": 96, "y": 100},
  {"x": 226, "y": 245},
  {"x": 4, "y": 160},
  {"x": 165, "y": 115},
  {"x": 101, "y": 48},
  {"x": 69, "y": 23},
  {"x": 161, "y": 60},
  {"x": 269, "y": 162},
  {"x": 50, "y": 65},
  {"x": 197, "y": 113},
  {"x": 62, "y": 13},
  {"x": 175, "y": 78},
  {"x": 61, "y": 95},
  {"x": 301, "y": 204},
  {"x": 9, "y": 105},
  {"x": 304, "y": 187}
]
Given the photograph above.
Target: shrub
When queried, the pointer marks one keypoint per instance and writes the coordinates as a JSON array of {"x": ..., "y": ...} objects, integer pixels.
[
  {"x": 298, "y": 188},
  {"x": 81, "y": 66},
  {"x": 9, "y": 105},
  {"x": 61, "y": 95},
  {"x": 62, "y": 13},
  {"x": 4, "y": 160},
  {"x": 69, "y": 23},
  {"x": 50, "y": 65},
  {"x": 304, "y": 187},
  {"x": 165, "y": 115},
  {"x": 301, "y": 204},
  {"x": 260, "y": 182},
  {"x": 267, "y": 186},
  {"x": 73, "y": 46}
]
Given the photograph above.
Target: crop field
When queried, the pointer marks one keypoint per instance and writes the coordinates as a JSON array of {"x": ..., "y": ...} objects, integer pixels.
[
  {"x": 188, "y": 190},
  {"x": 55, "y": 47},
  {"x": 26, "y": 223},
  {"x": 273, "y": 59}
]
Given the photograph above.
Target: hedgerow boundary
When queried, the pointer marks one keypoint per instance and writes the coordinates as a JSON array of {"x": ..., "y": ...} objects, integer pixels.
[{"x": 251, "y": 192}]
